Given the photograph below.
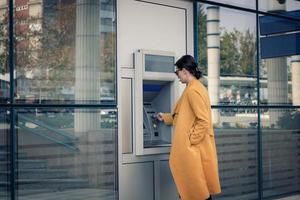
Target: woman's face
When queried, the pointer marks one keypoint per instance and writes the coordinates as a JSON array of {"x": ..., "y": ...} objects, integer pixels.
[{"x": 181, "y": 74}]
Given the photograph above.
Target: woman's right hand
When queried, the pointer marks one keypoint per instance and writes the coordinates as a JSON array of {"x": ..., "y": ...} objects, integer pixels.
[{"x": 159, "y": 116}]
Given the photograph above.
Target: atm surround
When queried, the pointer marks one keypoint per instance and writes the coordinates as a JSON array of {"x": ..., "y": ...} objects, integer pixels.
[{"x": 156, "y": 87}]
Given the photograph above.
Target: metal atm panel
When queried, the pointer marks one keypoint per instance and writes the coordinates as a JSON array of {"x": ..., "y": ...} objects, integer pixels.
[{"x": 155, "y": 91}]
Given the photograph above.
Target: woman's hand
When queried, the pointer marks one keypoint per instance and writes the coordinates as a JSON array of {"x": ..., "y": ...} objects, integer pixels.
[{"x": 159, "y": 116}]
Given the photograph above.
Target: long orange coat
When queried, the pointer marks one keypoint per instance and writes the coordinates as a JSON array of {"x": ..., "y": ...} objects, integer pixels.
[{"x": 193, "y": 157}]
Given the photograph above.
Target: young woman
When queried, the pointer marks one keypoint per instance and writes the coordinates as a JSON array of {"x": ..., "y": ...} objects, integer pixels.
[{"x": 193, "y": 158}]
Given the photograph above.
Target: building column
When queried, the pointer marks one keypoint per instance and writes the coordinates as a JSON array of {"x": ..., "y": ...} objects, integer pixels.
[
  {"x": 295, "y": 65},
  {"x": 87, "y": 86},
  {"x": 277, "y": 74},
  {"x": 213, "y": 58},
  {"x": 87, "y": 69}
]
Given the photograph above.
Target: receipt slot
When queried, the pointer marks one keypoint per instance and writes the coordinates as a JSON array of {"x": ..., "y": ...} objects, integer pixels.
[{"x": 155, "y": 90}]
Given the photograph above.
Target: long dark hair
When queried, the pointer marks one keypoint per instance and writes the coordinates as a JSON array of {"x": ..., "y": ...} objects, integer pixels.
[{"x": 188, "y": 62}]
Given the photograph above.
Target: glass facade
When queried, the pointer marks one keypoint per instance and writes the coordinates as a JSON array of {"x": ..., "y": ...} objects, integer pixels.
[
  {"x": 4, "y": 51},
  {"x": 4, "y": 155},
  {"x": 65, "y": 52},
  {"x": 236, "y": 142},
  {"x": 251, "y": 66},
  {"x": 59, "y": 128},
  {"x": 235, "y": 44},
  {"x": 280, "y": 155},
  {"x": 57, "y": 160}
]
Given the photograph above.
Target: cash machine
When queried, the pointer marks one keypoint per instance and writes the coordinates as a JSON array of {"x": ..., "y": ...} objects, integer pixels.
[{"x": 155, "y": 90}]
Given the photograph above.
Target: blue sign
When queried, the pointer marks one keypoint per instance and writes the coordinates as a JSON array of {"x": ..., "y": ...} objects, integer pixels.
[
  {"x": 273, "y": 25},
  {"x": 280, "y": 45},
  {"x": 279, "y": 36}
]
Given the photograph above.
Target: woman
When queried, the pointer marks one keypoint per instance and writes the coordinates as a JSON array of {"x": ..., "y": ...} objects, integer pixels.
[{"x": 193, "y": 157}]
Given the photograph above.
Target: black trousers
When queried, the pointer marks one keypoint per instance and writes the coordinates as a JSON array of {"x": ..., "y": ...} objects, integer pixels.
[{"x": 209, "y": 198}]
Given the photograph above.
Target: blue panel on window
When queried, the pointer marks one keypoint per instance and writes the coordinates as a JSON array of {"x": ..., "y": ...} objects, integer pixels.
[
  {"x": 271, "y": 25},
  {"x": 281, "y": 45}
]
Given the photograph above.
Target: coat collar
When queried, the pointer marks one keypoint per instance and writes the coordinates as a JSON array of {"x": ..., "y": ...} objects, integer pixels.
[
  {"x": 194, "y": 81},
  {"x": 178, "y": 104}
]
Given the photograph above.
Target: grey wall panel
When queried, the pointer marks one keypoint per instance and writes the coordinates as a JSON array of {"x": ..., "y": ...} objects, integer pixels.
[
  {"x": 137, "y": 181},
  {"x": 126, "y": 113}
]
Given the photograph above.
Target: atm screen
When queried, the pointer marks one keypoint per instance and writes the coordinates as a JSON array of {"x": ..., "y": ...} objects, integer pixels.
[{"x": 158, "y": 63}]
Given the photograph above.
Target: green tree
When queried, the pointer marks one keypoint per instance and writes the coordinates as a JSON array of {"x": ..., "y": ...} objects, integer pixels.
[
  {"x": 247, "y": 53},
  {"x": 290, "y": 120},
  {"x": 3, "y": 44},
  {"x": 56, "y": 58},
  {"x": 238, "y": 51},
  {"x": 229, "y": 53}
]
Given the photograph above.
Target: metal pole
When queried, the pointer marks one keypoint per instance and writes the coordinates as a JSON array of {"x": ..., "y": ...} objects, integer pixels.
[{"x": 11, "y": 109}]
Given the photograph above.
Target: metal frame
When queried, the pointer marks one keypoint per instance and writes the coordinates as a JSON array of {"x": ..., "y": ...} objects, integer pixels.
[
  {"x": 259, "y": 106},
  {"x": 12, "y": 134}
]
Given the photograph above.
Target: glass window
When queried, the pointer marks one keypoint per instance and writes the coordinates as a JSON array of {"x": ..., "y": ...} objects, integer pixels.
[
  {"x": 4, "y": 49},
  {"x": 227, "y": 54},
  {"x": 236, "y": 142},
  {"x": 276, "y": 81},
  {"x": 64, "y": 55},
  {"x": 280, "y": 143},
  {"x": 279, "y": 66},
  {"x": 66, "y": 153},
  {"x": 225, "y": 47},
  {"x": 287, "y": 5},
  {"x": 4, "y": 155}
]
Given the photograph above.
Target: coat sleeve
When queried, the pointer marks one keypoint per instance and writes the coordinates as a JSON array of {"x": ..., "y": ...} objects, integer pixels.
[
  {"x": 168, "y": 118},
  {"x": 201, "y": 125}
]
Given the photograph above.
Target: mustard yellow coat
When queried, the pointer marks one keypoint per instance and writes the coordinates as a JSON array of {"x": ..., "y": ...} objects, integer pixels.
[{"x": 193, "y": 157}]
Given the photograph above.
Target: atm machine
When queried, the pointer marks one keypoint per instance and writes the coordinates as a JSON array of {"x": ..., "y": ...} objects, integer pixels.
[{"x": 155, "y": 90}]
